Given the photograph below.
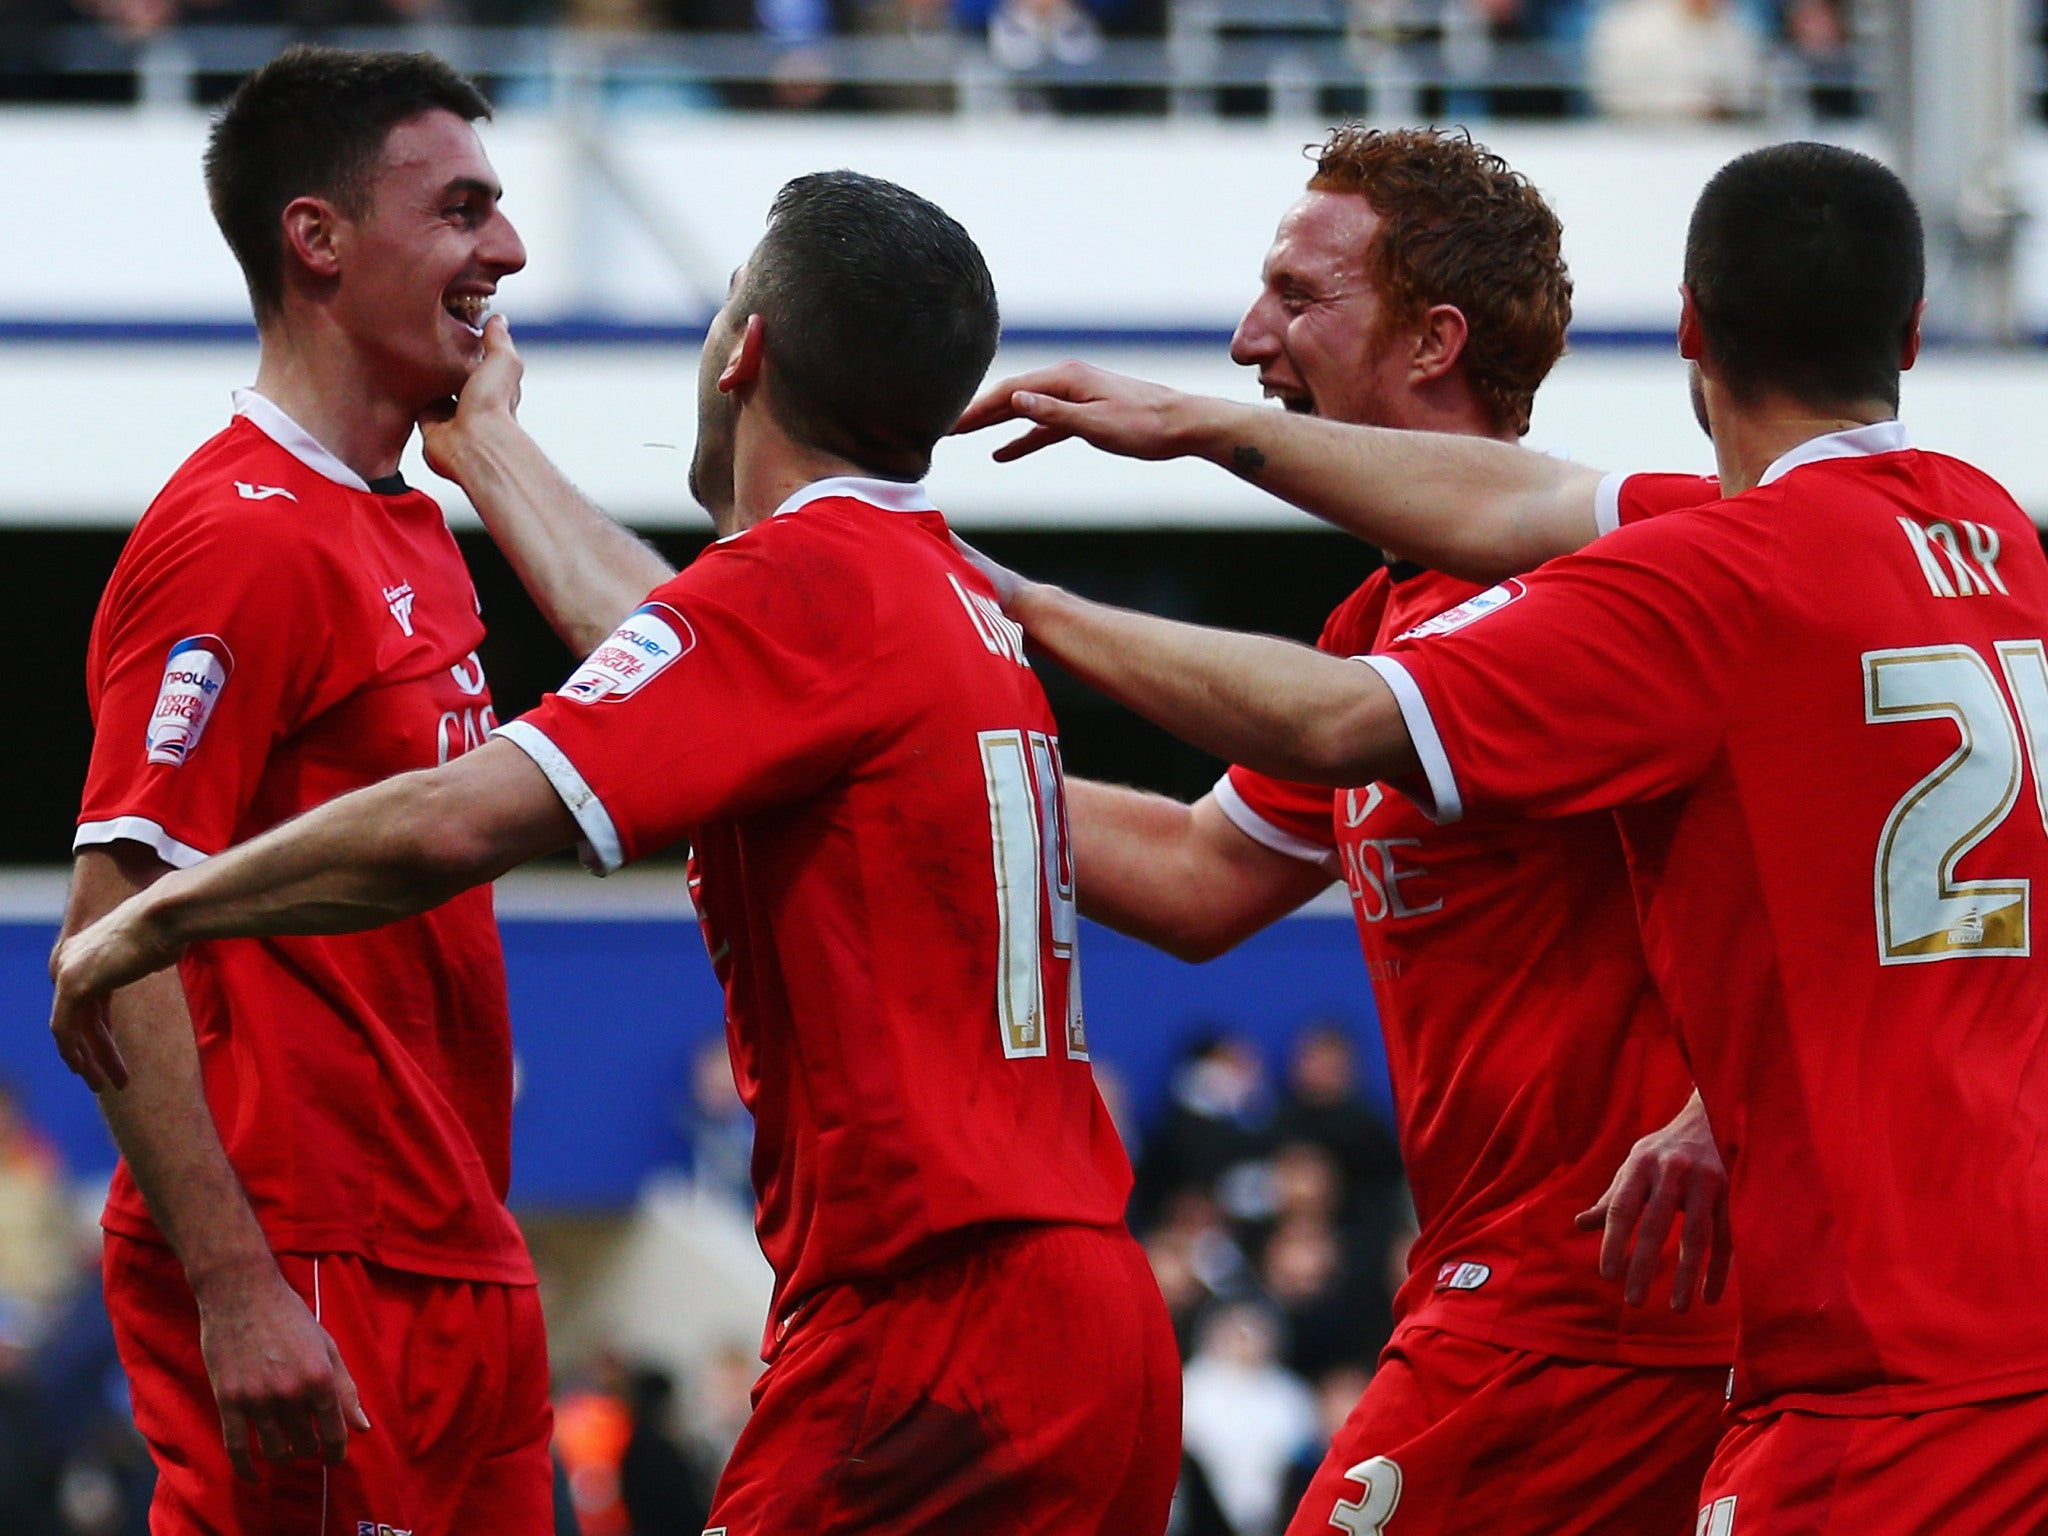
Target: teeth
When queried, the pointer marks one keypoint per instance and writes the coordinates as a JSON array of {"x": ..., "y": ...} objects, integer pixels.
[{"x": 470, "y": 309}]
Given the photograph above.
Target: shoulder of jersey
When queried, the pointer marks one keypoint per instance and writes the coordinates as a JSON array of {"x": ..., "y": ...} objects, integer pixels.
[{"x": 239, "y": 475}]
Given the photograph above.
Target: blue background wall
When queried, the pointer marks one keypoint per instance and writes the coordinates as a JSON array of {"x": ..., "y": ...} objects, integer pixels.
[{"x": 608, "y": 1014}]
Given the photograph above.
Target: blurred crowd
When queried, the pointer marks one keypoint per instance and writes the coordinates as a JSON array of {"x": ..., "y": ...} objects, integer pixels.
[
  {"x": 71, "y": 1463},
  {"x": 1685, "y": 59},
  {"x": 1276, "y": 1216}
]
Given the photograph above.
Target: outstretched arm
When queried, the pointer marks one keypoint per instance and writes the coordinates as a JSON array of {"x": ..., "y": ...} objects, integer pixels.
[
  {"x": 1270, "y": 704},
  {"x": 1467, "y": 506},
  {"x": 357, "y": 862},
  {"x": 1180, "y": 877},
  {"x": 585, "y": 571}
]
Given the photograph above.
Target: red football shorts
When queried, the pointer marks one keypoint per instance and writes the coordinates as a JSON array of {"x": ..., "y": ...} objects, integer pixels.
[
  {"x": 453, "y": 1374},
  {"x": 1026, "y": 1385},
  {"x": 1977, "y": 1470},
  {"x": 1459, "y": 1438}
]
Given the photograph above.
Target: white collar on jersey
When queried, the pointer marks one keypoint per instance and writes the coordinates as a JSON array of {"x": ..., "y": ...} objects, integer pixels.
[
  {"x": 1856, "y": 443},
  {"x": 295, "y": 439},
  {"x": 889, "y": 495}
]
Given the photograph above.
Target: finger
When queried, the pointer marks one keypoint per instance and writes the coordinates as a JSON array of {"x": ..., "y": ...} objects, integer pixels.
[
  {"x": 1695, "y": 1239},
  {"x": 234, "y": 1430},
  {"x": 1029, "y": 443},
  {"x": 275, "y": 1444},
  {"x": 345, "y": 1388},
  {"x": 1724, "y": 1251},
  {"x": 997, "y": 404},
  {"x": 1651, "y": 1232},
  {"x": 1624, "y": 1204},
  {"x": 105, "y": 1050},
  {"x": 301, "y": 1421}
]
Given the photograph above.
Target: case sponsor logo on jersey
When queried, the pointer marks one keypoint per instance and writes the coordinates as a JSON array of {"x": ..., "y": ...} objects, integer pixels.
[
  {"x": 652, "y": 636},
  {"x": 1458, "y": 1276},
  {"x": 1470, "y": 611},
  {"x": 399, "y": 600},
  {"x": 198, "y": 668},
  {"x": 250, "y": 492}
]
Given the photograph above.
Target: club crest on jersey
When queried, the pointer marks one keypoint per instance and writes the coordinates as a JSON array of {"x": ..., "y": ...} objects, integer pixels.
[
  {"x": 1456, "y": 1276},
  {"x": 652, "y": 636},
  {"x": 399, "y": 600},
  {"x": 198, "y": 668},
  {"x": 1470, "y": 611}
]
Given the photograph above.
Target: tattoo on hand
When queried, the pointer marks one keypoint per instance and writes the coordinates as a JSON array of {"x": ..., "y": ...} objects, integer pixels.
[{"x": 1247, "y": 460}]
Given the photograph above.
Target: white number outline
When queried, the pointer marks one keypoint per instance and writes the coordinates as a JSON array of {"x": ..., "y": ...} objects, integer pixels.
[
  {"x": 1368, "y": 1514},
  {"x": 1717, "y": 1518},
  {"x": 1034, "y": 861},
  {"x": 1947, "y": 811}
]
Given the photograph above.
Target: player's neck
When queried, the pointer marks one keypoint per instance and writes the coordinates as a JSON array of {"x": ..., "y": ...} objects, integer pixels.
[
  {"x": 769, "y": 467},
  {"x": 1750, "y": 437},
  {"x": 332, "y": 394}
]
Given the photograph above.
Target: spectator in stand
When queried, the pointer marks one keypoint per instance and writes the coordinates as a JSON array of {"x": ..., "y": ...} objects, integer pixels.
[
  {"x": 1322, "y": 1105},
  {"x": 37, "y": 1250},
  {"x": 665, "y": 1488},
  {"x": 1246, "y": 1417},
  {"x": 720, "y": 1131},
  {"x": 1335, "y": 1311},
  {"x": 1677, "y": 60},
  {"x": 1196, "y": 1260},
  {"x": 1218, "y": 1123}
]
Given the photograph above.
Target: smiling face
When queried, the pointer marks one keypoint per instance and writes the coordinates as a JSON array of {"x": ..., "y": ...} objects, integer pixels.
[
  {"x": 419, "y": 265},
  {"x": 1319, "y": 333}
]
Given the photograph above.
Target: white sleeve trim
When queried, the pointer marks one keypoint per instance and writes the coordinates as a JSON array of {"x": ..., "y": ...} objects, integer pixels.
[
  {"x": 1239, "y": 813},
  {"x": 1448, "y": 805},
  {"x": 1607, "y": 502},
  {"x": 138, "y": 829},
  {"x": 599, "y": 835}
]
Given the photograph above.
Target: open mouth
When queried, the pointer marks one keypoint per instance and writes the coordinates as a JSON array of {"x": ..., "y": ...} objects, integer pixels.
[{"x": 472, "y": 309}]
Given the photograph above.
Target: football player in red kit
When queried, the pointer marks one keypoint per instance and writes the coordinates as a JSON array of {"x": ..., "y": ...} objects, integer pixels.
[
  {"x": 833, "y": 710},
  {"x": 307, "y": 1234},
  {"x": 1419, "y": 283},
  {"x": 1816, "y": 697}
]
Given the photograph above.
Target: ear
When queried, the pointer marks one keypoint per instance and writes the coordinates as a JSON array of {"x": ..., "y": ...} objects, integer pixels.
[
  {"x": 1692, "y": 337},
  {"x": 1909, "y": 354},
  {"x": 1439, "y": 344},
  {"x": 743, "y": 364},
  {"x": 312, "y": 236}
]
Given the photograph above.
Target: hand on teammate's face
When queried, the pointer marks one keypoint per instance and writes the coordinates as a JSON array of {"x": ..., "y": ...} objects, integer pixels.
[
  {"x": 490, "y": 395},
  {"x": 1119, "y": 415}
]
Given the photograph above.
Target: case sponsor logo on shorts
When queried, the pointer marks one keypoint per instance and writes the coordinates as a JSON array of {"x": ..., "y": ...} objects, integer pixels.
[
  {"x": 198, "y": 667},
  {"x": 1457, "y": 1276},
  {"x": 652, "y": 636},
  {"x": 1471, "y": 611}
]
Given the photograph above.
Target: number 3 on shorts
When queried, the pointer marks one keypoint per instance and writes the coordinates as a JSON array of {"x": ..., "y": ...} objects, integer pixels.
[{"x": 1369, "y": 1513}]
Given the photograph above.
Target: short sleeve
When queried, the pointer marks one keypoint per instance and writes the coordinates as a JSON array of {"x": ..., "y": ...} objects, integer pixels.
[
  {"x": 1623, "y": 499},
  {"x": 1603, "y": 679},
  {"x": 736, "y": 687},
  {"x": 205, "y": 651}
]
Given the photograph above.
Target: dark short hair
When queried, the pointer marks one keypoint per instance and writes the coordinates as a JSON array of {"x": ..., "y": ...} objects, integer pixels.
[
  {"x": 1459, "y": 226},
  {"x": 881, "y": 319},
  {"x": 312, "y": 123},
  {"x": 1806, "y": 268}
]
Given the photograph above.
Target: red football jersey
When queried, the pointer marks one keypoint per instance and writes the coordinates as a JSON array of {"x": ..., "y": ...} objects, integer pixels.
[
  {"x": 276, "y": 634},
  {"x": 1524, "y": 1037},
  {"x": 1821, "y": 708},
  {"x": 834, "y": 710}
]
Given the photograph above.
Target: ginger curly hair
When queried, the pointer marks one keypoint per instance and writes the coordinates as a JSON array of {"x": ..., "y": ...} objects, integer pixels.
[{"x": 1459, "y": 227}]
